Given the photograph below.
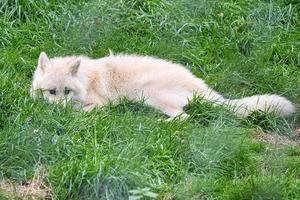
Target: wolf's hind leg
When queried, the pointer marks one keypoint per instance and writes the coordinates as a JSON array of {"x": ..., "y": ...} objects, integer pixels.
[{"x": 169, "y": 105}]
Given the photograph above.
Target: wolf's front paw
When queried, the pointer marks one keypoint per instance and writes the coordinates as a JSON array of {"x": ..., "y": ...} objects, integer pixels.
[{"x": 181, "y": 117}]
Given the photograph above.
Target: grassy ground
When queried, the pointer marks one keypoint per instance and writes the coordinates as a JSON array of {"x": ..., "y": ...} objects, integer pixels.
[{"x": 239, "y": 47}]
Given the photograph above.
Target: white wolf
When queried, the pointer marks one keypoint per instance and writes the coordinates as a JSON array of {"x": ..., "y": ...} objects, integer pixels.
[{"x": 163, "y": 85}]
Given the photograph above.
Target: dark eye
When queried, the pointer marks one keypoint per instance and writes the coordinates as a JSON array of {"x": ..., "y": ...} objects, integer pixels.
[
  {"x": 67, "y": 91},
  {"x": 52, "y": 92}
]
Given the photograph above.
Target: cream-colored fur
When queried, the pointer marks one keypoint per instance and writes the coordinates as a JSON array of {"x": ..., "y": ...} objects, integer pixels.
[{"x": 163, "y": 85}]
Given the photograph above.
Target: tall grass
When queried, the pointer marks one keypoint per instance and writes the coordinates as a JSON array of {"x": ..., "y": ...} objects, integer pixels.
[{"x": 126, "y": 151}]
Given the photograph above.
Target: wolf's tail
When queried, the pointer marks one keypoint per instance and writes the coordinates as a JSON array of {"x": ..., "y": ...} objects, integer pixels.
[
  {"x": 245, "y": 106},
  {"x": 267, "y": 103}
]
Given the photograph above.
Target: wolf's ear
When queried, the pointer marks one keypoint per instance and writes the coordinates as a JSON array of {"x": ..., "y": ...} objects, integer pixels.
[
  {"x": 75, "y": 66},
  {"x": 44, "y": 61}
]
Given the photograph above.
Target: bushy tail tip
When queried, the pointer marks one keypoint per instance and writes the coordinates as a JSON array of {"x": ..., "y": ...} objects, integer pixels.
[{"x": 267, "y": 103}]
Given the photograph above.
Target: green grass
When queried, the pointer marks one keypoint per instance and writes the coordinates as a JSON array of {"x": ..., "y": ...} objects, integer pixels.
[{"x": 240, "y": 48}]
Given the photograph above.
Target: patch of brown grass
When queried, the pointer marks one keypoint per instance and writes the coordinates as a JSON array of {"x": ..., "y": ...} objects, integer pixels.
[
  {"x": 33, "y": 189},
  {"x": 279, "y": 140}
]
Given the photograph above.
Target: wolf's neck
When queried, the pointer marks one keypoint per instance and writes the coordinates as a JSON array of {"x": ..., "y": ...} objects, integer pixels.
[{"x": 92, "y": 76}]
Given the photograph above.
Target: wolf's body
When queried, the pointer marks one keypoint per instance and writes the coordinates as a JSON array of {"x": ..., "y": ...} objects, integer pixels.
[{"x": 163, "y": 85}]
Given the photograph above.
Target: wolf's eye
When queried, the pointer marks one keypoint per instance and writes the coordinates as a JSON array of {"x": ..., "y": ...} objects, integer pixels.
[
  {"x": 52, "y": 92},
  {"x": 67, "y": 91}
]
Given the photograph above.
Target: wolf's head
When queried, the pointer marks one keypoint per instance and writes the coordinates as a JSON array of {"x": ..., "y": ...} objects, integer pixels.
[{"x": 57, "y": 79}]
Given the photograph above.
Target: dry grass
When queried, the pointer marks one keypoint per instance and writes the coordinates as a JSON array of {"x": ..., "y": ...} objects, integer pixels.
[
  {"x": 33, "y": 189},
  {"x": 279, "y": 140}
]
